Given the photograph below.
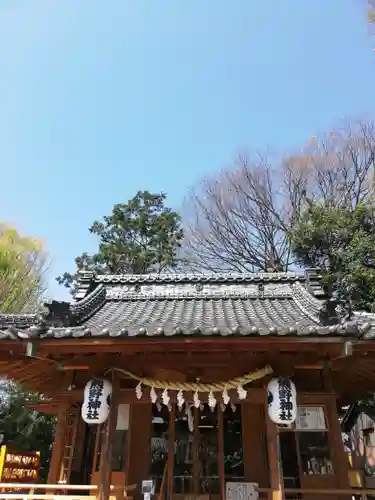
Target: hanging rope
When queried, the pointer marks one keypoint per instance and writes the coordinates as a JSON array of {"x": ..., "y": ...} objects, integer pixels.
[{"x": 197, "y": 386}]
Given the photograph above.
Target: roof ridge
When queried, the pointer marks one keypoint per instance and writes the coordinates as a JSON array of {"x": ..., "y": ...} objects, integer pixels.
[
  {"x": 198, "y": 277},
  {"x": 14, "y": 319},
  {"x": 89, "y": 303},
  {"x": 307, "y": 302}
]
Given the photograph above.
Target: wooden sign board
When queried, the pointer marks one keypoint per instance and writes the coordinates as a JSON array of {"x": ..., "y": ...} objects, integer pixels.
[
  {"x": 241, "y": 491},
  {"x": 310, "y": 418},
  {"x": 18, "y": 467}
]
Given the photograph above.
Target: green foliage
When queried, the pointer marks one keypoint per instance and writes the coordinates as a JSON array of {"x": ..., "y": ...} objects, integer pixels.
[
  {"x": 25, "y": 429},
  {"x": 22, "y": 285},
  {"x": 140, "y": 236},
  {"x": 22, "y": 272},
  {"x": 341, "y": 242}
]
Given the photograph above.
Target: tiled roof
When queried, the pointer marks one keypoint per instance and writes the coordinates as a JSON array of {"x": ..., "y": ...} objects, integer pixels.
[{"x": 188, "y": 304}]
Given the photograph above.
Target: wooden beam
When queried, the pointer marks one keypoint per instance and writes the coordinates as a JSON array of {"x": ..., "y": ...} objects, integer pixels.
[
  {"x": 14, "y": 355},
  {"x": 353, "y": 383},
  {"x": 315, "y": 366},
  {"x": 50, "y": 408},
  {"x": 7, "y": 345},
  {"x": 135, "y": 361},
  {"x": 315, "y": 398},
  {"x": 76, "y": 368},
  {"x": 238, "y": 363},
  {"x": 147, "y": 344}
]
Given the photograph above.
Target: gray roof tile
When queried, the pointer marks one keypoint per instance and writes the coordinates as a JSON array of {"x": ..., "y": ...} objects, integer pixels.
[{"x": 188, "y": 304}]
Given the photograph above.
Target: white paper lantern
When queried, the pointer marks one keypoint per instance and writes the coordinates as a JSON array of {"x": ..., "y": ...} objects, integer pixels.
[
  {"x": 282, "y": 401},
  {"x": 96, "y": 402}
]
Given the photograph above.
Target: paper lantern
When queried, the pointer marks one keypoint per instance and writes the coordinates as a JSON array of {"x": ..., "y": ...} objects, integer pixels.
[
  {"x": 282, "y": 401},
  {"x": 96, "y": 402}
]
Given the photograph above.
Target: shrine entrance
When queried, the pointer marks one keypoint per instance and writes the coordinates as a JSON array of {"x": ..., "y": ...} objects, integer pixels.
[{"x": 206, "y": 446}]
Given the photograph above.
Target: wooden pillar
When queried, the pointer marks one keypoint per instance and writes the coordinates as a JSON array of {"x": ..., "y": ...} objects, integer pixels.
[
  {"x": 79, "y": 443},
  {"x": 172, "y": 416},
  {"x": 196, "y": 462},
  {"x": 105, "y": 472},
  {"x": 254, "y": 438},
  {"x": 97, "y": 454},
  {"x": 58, "y": 442},
  {"x": 127, "y": 451},
  {"x": 339, "y": 457},
  {"x": 139, "y": 445},
  {"x": 274, "y": 466},
  {"x": 220, "y": 449}
]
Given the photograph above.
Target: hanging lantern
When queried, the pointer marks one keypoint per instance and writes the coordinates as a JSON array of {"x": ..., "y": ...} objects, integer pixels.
[
  {"x": 96, "y": 402},
  {"x": 282, "y": 401}
]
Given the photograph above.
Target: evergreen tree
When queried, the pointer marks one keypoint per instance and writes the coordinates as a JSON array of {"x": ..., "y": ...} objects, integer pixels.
[
  {"x": 23, "y": 428},
  {"x": 139, "y": 236},
  {"x": 341, "y": 242}
]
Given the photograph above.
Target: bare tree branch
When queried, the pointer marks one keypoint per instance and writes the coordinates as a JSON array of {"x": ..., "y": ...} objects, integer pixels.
[
  {"x": 337, "y": 169},
  {"x": 239, "y": 219}
]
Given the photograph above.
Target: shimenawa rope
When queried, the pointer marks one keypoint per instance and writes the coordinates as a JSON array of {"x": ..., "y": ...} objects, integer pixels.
[{"x": 197, "y": 386}]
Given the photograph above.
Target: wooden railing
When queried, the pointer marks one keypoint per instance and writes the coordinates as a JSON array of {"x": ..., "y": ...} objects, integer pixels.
[{"x": 91, "y": 490}]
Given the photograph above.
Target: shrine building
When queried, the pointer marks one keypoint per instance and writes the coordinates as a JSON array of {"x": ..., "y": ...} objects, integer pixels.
[{"x": 202, "y": 383}]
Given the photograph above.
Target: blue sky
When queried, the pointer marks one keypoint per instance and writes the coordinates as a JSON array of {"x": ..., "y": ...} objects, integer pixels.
[{"x": 102, "y": 98}]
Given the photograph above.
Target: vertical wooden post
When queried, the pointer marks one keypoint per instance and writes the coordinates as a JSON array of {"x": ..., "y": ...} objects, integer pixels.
[
  {"x": 254, "y": 438},
  {"x": 105, "y": 473},
  {"x": 129, "y": 443},
  {"x": 58, "y": 442},
  {"x": 196, "y": 461},
  {"x": 327, "y": 377},
  {"x": 170, "y": 472},
  {"x": 97, "y": 445},
  {"x": 139, "y": 445},
  {"x": 339, "y": 457},
  {"x": 220, "y": 450},
  {"x": 274, "y": 466}
]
